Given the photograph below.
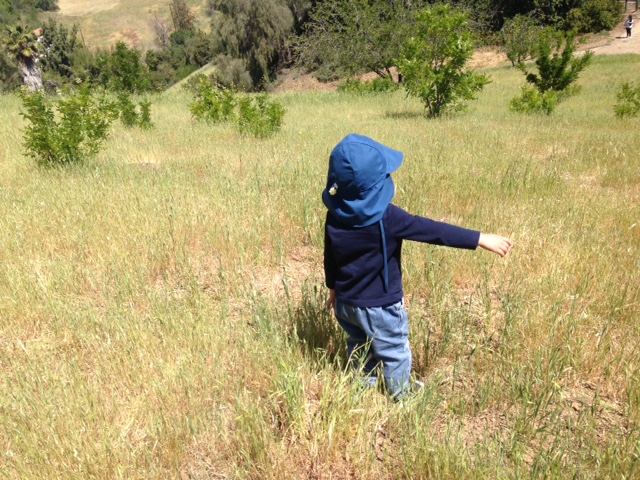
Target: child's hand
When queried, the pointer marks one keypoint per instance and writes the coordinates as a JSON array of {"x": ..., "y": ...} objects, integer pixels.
[
  {"x": 495, "y": 243},
  {"x": 331, "y": 303}
]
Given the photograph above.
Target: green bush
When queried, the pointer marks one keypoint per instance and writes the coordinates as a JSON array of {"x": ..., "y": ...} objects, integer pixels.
[
  {"x": 628, "y": 98},
  {"x": 558, "y": 70},
  {"x": 254, "y": 115},
  {"x": 377, "y": 85},
  {"x": 533, "y": 100},
  {"x": 433, "y": 63},
  {"x": 129, "y": 115},
  {"x": 212, "y": 104},
  {"x": 519, "y": 37},
  {"x": 594, "y": 16},
  {"x": 68, "y": 130},
  {"x": 259, "y": 116}
]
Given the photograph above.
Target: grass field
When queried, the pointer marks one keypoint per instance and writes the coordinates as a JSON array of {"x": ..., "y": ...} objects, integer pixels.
[
  {"x": 161, "y": 309},
  {"x": 104, "y": 22}
]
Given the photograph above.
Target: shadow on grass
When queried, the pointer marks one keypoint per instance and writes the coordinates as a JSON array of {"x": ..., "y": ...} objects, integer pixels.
[
  {"x": 314, "y": 328},
  {"x": 404, "y": 115}
]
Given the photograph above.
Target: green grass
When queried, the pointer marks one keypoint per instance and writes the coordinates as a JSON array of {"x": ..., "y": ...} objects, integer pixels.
[{"x": 161, "y": 309}]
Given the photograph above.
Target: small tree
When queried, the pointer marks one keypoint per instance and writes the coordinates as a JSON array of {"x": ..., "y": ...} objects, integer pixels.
[
  {"x": 182, "y": 16},
  {"x": 519, "y": 37},
  {"x": 69, "y": 130},
  {"x": 59, "y": 45},
  {"x": 434, "y": 60},
  {"x": 347, "y": 37},
  {"x": 558, "y": 70},
  {"x": 123, "y": 70},
  {"x": 628, "y": 104}
]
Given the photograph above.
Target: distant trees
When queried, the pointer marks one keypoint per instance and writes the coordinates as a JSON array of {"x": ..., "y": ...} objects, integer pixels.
[
  {"x": 346, "y": 37},
  {"x": 183, "y": 49},
  {"x": 58, "y": 47},
  {"x": 254, "y": 32}
]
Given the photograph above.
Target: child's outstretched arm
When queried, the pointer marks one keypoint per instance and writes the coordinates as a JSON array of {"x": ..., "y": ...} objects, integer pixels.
[{"x": 495, "y": 243}]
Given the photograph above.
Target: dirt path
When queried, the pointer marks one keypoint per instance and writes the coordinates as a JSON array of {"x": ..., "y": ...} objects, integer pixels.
[{"x": 617, "y": 43}]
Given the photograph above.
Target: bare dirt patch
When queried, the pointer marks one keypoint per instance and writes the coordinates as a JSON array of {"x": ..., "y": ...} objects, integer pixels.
[{"x": 616, "y": 42}]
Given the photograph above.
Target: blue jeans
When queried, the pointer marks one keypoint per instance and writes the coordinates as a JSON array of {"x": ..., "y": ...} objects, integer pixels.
[{"x": 379, "y": 335}]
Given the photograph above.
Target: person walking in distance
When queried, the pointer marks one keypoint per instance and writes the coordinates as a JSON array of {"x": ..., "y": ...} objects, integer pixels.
[{"x": 628, "y": 24}]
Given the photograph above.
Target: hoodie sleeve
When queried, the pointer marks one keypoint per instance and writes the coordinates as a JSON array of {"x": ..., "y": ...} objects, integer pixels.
[
  {"x": 421, "y": 229},
  {"x": 330, "y": 266}
]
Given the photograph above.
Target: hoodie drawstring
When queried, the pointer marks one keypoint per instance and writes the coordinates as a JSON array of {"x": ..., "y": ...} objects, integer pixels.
[{"x": 385, "y": 267}]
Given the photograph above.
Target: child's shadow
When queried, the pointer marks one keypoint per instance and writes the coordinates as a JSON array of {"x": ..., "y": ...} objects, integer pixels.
[{"x": 315, "y": 330}]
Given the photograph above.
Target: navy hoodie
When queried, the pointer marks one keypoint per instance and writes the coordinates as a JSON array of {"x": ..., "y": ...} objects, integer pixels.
[{"x": 353, "y": 261}]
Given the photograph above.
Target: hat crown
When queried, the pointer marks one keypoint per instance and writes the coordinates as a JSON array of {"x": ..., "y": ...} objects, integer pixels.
[
  {"x": 356, "y": 167},
  {"x": 359, "y": 186}
]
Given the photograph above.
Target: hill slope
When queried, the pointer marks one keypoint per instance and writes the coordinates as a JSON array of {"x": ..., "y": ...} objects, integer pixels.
[{"x": 104, "y": 22}]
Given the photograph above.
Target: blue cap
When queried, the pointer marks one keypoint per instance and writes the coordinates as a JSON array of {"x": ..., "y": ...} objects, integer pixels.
[{"x": 359, "y": 185}]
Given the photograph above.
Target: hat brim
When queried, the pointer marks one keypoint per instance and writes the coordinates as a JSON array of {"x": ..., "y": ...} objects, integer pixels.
[
  {"x": 394, "y": 158},
  {"x": 362, "y": 212}
]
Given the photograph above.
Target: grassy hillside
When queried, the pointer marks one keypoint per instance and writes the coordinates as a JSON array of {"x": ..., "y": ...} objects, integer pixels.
[
  {"x": 104, "y": 22},
  {"x": 162, "y": 308}
]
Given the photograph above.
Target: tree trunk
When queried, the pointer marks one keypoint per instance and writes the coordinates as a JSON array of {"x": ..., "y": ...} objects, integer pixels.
[{"x": 31, "y": 76}]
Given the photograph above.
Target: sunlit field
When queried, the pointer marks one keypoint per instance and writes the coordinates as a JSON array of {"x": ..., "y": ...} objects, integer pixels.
[
  {"x": 104, "y": 22},
  {"x": 162, "y": 307}
]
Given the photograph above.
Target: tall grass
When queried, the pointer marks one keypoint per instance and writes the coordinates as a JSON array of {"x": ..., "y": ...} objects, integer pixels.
[{"x": 161, "y": 310}]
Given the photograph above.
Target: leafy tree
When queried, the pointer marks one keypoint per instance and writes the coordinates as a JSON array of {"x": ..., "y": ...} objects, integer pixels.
[
  {"x": 68, "y": 130},
  {"x": 519, "y": 37},
  {"x": 22, "y": 45},
  {"x": 59, "y": 45},
  {"x": 47, "y": 5},
  {"x": 350, "y": 37},
  {"x": 594, "y": 16},
  {"x": 182, "y": 16},
  {"x": 254, "y": 31},
  {"x": 558, "y": 68},
  {"x": 123, "y": 70},
  {"x": 628, "y": 100},
  {"x": 433, "y": 62}
]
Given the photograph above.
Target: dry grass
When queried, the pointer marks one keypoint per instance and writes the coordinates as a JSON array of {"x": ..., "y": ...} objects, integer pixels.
[
  {"x": 162, "y": 308},
  {"x": 105, "y": 22}
]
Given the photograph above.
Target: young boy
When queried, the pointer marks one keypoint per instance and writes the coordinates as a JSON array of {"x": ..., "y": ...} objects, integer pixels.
[{"x": 362, "y": 255}]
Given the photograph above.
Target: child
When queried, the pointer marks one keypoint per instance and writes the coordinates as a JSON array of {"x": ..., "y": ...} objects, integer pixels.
[{"x": 362, "y": 254}]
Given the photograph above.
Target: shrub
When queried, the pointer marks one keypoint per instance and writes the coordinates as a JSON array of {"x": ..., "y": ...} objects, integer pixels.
[
  {"x": 66, "y": 131},
  {"x": 377, "y": 85},
  {"x": 254, "y": 115},
  {"x": 533, "y": 100},
  {"x": 259, "y": 116},
  {"x": 129, "y": 115},
  {"x": 558, "y": 71},
  {"x": 213, "y": 104},
  {"x": 519, "y": 37},
  {"x": 558, "y": 68},
  {"x": 628, "y": 97},
  {"x": 433, "y": 61}
]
